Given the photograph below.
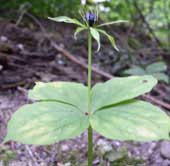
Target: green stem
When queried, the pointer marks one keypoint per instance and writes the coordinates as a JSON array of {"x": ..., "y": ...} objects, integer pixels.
[
  {"x": 89, "y": 69},
  {"x": 90, "y": 130},
  {"x": 90, "y": 146}
]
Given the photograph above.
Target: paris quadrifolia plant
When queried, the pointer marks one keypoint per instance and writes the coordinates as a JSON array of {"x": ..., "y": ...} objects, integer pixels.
[{"x": 64, "y": 110}]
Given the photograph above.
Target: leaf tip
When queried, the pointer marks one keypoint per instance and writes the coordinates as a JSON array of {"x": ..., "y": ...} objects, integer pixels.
[
  {"x": 98, "y": 49},
  {"x": 75, "y": 36},
  {"x": 50, "y": 18},
  {"x": 116, "y": 48}
]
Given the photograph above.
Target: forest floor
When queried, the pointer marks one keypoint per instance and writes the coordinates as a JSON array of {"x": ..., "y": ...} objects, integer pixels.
[{"x": 29, "y": 54}]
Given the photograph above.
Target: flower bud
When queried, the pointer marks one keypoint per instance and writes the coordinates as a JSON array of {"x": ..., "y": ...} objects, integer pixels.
[{"x": 91, "y": 18}]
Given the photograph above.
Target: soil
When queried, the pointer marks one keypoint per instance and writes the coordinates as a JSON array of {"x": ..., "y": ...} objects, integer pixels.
[{"x": 26, "y": 56}]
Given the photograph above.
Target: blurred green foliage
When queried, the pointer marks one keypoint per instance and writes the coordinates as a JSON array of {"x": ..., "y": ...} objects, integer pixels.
[
  {"x": 155, "y": 12},
  {"x": 44, "y": 8},
  {"x": 156, "y": 69},
  {"x": 6, "y": 155}
]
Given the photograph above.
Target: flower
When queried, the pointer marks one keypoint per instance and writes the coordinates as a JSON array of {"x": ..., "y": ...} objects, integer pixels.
[{"x": 91, "y": 18}]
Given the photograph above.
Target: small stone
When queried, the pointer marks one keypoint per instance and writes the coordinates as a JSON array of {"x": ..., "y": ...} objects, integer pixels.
[
  {"x": 101, "y": 142},
  {"x": 165, "y": 149},
  {"x": 60, "y": 62},
  {"x": 20, "y": 46},
  {"x": 1, "y": 67},
  {"x": 117, "y": 143},
  {"x": 43, "y": 155},
  {"x": 114, "y": 155},
  {"x": 103, "y": 146},
  {"x": 3, "y": 38},
  {"x": 64, "y": 148},
  {"x": 67, "y": 164},
  {"x": 152, "y": 146}
]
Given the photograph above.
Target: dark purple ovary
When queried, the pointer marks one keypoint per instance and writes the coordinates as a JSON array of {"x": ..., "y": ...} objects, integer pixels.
[{"x": 90, "y": 18}]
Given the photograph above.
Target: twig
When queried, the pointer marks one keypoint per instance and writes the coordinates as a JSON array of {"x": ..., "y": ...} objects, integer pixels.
[
  {"x": 80, "y": 63},
  {"x": 31, "y": 154},
  {"x": 32, "y": 17},
  {"x": 162, "y": 93},
  {"x": 151, "y": 51},
  {"x": 36, "y": 21},
  {"x": 157, "y": 101}
]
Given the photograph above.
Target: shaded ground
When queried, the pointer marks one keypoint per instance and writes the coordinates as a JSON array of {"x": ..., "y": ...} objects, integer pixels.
[{"x": 26, "y": 55}]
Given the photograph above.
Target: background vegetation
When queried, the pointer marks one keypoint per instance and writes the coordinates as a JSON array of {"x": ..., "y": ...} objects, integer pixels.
[
  {"x": 146, "y": 13},
  {"x": 27, "y": 55}
]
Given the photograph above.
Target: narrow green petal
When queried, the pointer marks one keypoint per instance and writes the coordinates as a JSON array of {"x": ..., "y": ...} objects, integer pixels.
[
  {"x": 78, "y": 30},
  {"x": 67, "y": 20},
  {"x": 95, "y": 34},
  {"x": 112, "y": 22},
  {"x": 111, "y": 39}
]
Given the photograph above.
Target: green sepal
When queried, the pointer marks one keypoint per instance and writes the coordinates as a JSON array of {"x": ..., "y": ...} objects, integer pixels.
[
  {"x": 67, "y": 20},
  {"x": 78, "y": 30},
  {"x": 110, "y": 38},
  {"x": 112, "y": 22},
  {"x": 96, "y": 35}
]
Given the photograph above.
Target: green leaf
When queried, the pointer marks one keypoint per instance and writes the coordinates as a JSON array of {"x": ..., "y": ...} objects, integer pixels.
[
  {"x": 135, "y": 120},
  {"x": 135, "y": 70},
  {"x": 161, "y": 77},
  {"x": 112, "y": 22},
  {"x": 66, "y": 92},
  {"x": 110, "y": 38},
  {"x": 78, "y": 30},
  {"x": 117, "y": 90},
  {"x": 156, "y": 67},
  {"x": 67, "y": 20},
  {"x": 95, "y": 34},
  {"x": 44, "y": 123}
]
